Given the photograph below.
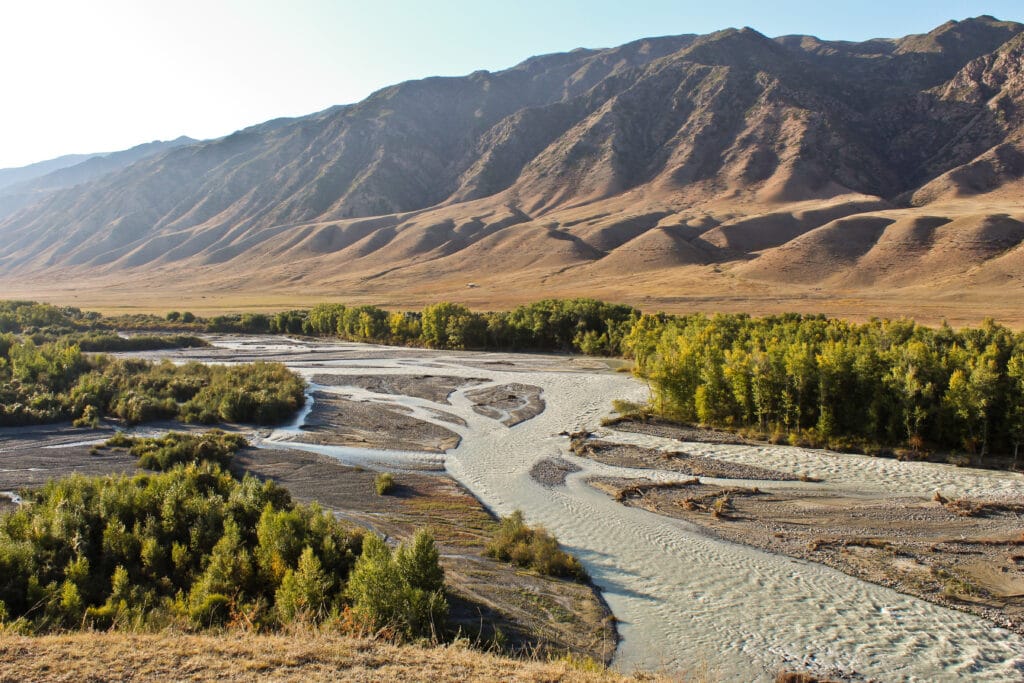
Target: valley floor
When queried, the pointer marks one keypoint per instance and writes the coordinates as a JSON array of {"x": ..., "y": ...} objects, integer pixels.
[{"x": 674, "y": 291}]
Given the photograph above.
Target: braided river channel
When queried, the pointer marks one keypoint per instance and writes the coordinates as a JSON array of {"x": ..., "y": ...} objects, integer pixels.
[{"x": 683, "y": 599}]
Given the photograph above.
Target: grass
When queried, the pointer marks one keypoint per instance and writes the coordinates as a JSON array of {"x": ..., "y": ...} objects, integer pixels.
[
  {"x": 302, "y": 655},
  {"x": 954, "y": 586},
  {"x": 875, "y": 543}
]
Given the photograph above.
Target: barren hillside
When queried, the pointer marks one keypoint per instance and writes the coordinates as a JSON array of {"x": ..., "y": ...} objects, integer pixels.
[{"x": 728, "y": 170}]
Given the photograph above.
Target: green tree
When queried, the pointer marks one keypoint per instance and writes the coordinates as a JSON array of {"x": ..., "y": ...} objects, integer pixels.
[
  {"x": 1015, "y": 403},
  {"x": 305, "y": 592},
  {"x": 384, "y": 597}
]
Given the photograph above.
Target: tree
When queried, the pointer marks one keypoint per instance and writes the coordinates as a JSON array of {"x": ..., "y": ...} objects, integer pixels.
[
  {"x": 968, "y": 397},
  {"x": 713, "y": 399},
  {"x": 419, "y": 563},
  {"x": 801, "y": 372},
  {"x": 1015, "y": 403},
  {"x": 909, "y": 380},
  {"x": 393, "y": 590},
  {"x": 305, "y": 592}
]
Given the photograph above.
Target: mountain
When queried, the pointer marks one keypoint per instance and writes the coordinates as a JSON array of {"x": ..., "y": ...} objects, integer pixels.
[
  {"x": 727, "y": 165},
  {"x": 10, "y": 176},
  {"x": 20, "y": 187}
]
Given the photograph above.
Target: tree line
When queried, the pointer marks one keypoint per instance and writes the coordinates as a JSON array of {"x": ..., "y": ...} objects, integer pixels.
[
  {"x": 826, "y": 382},
  {"x": 568, "y": 325},
  {"x": 805, "y": 379}
]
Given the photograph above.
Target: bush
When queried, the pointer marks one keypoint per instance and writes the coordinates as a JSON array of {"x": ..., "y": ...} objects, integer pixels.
[
  {"x": 90, "y": 418},
  {"x": 190, "y": 546},
  {"x": 261, "y": 393},
  {"x": 384, "y": 483},
  {"x": 532, "y": 547},
  {"x": 176, "y": 448},
  {"x": 306, "y": 592},
  {"x": 55, "y": 381},
  {"x": 402, "y": 592}
]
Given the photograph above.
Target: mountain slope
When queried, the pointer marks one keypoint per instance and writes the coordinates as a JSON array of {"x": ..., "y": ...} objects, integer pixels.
[
  {"x": 10, "y": 176},
  {"x": 34, "y": 183},
  {"x": 731, "y": 159}
]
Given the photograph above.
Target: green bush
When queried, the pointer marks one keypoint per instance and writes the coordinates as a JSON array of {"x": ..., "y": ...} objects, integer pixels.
[
  {"x": 384, "y": 483},
  {"x": 532, "y": 547},
  {"x": 55, "y": 381},
  {"x": 190, "y": 546},
  {"x": 401, "y": 592},
  {"x": 306, "y": 592},
  {"x": 176, "y": 448}
]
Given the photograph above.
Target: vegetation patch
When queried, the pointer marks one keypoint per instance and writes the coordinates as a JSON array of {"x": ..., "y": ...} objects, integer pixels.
[
  {"x": 190, "y": 547},
  {"x": 302, "y": 654},
  {"x": 56, "y": 381},
  {"x": 400, "y": 591},
  {"x": 644, "y": 487},
  {"x": 820, "y": 382},
  {"x": 384, "y": 483},
  {"x": 982, "y": 508},
  {"x": 162, "y": 453},
  {"x": 532, "y": 547}
]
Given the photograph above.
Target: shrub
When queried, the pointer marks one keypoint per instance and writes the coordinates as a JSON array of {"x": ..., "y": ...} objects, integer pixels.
[
  {"x": 90, "y": 418},
  {"x": 401, "y": 592},
  {"x": 306, "y": 592},
  {"x": 176, "y": 448},
  {"x": 384, "y": 483},
  {"x": 54, "y": 381},
  {"x": 192, "y": 546},
  {"x": 532, "y": 547}
]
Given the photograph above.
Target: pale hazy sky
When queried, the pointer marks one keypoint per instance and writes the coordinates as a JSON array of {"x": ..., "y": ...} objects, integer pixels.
[{"x": 101, "y": 75}]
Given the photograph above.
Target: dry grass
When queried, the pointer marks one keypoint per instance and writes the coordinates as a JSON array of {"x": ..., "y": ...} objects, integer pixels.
[
  {"x": 875, "y": 543},
  {"x": 980, "y": 508},
  {"x": 236, "y": 656},
  {"x": 640, "y": 490}
]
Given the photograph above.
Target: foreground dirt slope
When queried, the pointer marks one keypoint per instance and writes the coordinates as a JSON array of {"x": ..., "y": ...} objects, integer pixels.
[{"x": 237, "y": 656}]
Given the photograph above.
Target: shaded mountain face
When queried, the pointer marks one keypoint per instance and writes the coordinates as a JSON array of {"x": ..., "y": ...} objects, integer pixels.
[
  {"x": 729, "y": 151},
  {"x": 20, "y": 187},
  {"x": 10, "y": 176}
]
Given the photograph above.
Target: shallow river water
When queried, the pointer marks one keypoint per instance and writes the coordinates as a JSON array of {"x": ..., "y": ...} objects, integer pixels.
[{"x": 683, "y": 600}]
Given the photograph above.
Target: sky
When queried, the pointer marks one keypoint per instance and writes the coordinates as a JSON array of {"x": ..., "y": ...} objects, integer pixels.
[{"x": 85, "y": 76}]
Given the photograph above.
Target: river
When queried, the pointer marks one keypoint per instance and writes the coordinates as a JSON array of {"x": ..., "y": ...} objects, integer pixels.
[{"x": 683, "y": 600}]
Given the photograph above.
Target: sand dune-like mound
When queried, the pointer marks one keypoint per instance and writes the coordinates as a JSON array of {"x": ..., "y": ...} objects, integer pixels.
[
  {"x": 756, "y": 233},
  {"x": 653, "y": 250},
  {"x": 819, "y": 254}
]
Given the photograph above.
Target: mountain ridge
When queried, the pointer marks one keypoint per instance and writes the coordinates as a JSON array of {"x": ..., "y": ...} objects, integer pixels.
[
  {"x": 686, "y": 158},
  {"x": 33, "y": 183}
]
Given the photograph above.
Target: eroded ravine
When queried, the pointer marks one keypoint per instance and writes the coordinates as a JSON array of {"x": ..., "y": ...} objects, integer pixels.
[{"x": 683, "y": 599}]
